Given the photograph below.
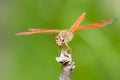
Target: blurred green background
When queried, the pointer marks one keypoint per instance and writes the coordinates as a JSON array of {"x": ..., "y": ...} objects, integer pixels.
[{"x": 96, "y": 52}]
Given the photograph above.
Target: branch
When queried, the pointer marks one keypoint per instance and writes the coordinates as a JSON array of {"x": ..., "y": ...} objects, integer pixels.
[{"x": 67, "y": 65}]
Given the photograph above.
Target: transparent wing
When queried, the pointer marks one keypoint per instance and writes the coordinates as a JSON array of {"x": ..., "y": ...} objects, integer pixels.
[
  {"x": 44, "y": 30},
  {"x": 98, "y": 24},
  {"x": 36, "y": 31},
  {"x": 77, "y": 22}
]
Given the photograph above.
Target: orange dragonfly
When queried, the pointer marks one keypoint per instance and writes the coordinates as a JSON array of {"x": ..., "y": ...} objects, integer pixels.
[{"x": 66, "y": 35}]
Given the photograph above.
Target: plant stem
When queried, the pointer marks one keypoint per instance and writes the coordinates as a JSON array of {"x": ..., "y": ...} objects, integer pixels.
[{"x": 67, "y": 65}]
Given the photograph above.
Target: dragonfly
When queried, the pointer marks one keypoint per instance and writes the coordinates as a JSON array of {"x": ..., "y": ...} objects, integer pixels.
[{"x": 66, "y": 35}]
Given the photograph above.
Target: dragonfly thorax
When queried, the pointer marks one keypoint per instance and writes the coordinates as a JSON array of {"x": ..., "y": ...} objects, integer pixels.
[{"x": 63, "y": 37}]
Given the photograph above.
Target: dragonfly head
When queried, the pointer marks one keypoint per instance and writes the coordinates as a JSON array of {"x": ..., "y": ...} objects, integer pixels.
[
  {"x": 63, "y": 37},
  {"x": 59, "y": 40}
]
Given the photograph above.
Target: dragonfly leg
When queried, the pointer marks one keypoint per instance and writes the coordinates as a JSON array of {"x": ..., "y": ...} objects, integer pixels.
[{"x": 66, "y": 47}]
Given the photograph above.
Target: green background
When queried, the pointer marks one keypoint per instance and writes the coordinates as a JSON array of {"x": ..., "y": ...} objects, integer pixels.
[{"x": 96, "y": 52}]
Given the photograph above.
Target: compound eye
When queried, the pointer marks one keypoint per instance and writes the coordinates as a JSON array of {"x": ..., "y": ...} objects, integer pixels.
[
  {"x": 63, "y": 40},
  {"x": 57, "y": 39}
]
